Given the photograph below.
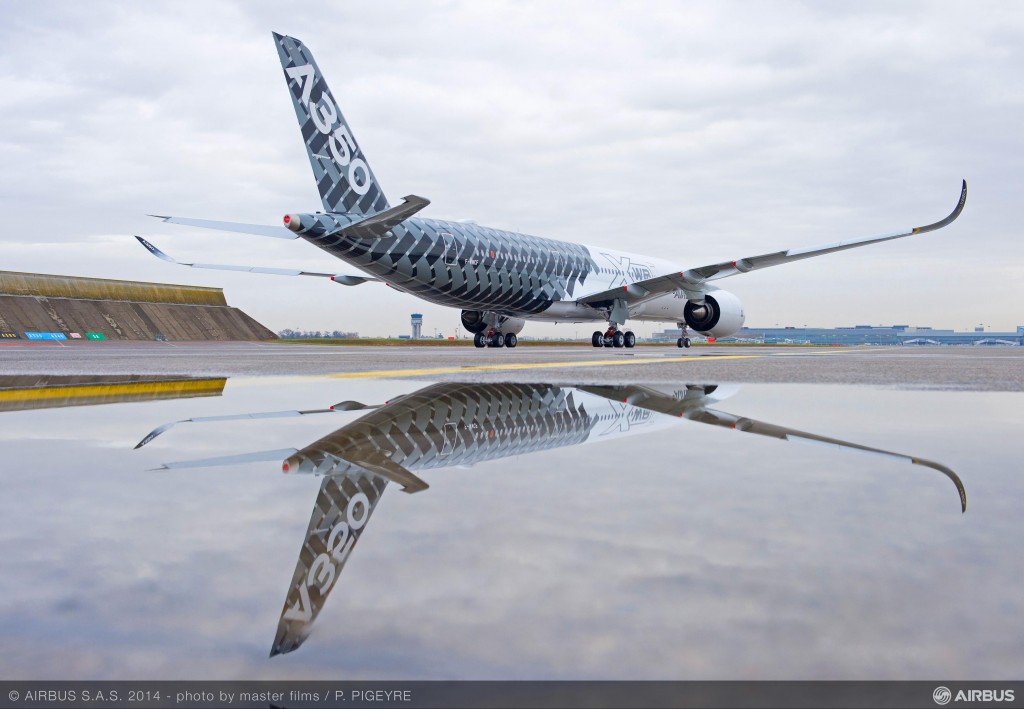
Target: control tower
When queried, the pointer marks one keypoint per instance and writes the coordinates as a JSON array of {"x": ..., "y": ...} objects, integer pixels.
[{"x": 417, "y": 325}]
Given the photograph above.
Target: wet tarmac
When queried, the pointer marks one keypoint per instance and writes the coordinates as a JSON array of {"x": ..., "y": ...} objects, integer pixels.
[
  {"x": 964, "y": 368},
  {"x": 368, "y": 527}
]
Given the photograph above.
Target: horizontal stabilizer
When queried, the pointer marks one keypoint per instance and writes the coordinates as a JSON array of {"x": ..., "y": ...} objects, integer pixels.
[
  {"x": 257, "y": 457},
  {"x": 379, "y": 464},
  {"x": 278, "y": 232},
  {"x": 380, "y": 224},
  {"x": 342, "y": 278}
]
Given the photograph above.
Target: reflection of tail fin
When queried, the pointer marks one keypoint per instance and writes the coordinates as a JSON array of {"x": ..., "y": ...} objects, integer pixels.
[
  {"x": 343, "y": 176},
  {"x": 339, "y": 517}
]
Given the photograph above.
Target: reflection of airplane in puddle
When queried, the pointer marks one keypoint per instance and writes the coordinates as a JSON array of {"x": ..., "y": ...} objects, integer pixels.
[{"x": 444, "y": 425}]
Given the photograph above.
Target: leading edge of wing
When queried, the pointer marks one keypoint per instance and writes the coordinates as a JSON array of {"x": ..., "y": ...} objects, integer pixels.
[
  {"x": 695, "y": 278},
  {"x": 277, "y": 232},
  {"x": 753, "y": 263}
]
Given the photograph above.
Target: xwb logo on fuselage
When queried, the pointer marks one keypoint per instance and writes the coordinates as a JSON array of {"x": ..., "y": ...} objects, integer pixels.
[
  {"x": 625, "y": 271},
  {"x": 340, "y": 142}
]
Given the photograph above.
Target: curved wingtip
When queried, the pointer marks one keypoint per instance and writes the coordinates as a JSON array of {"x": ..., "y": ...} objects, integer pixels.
[
  {"x": 952, "y": 215},
  {"x": 948, "y": 472},
  {"x": 154, "y": 250},
  {"x": 153, "y": 434}
]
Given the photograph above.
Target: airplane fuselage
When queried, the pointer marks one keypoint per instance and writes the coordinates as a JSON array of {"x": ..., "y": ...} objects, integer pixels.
[{"x": 464, "y": 265}]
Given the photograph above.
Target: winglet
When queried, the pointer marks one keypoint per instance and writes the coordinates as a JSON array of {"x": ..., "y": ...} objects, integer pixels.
[
  {"x": 952, "y": 215},
  {"x": 154, "y": 433},
  {"x": 154, "y": 250},
  {"x": 949, "y": 474}
]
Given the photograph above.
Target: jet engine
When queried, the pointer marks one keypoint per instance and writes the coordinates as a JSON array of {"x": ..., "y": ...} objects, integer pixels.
[
  {"x": 473, "y": 320},
  {"x": 513, "y": 325},
  {"x": 479, "y": 320},
  {"x": 721, "y": 314}
]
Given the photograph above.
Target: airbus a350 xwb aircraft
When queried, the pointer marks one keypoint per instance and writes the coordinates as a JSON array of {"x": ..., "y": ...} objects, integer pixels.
[{"x": 499, "y": 279}]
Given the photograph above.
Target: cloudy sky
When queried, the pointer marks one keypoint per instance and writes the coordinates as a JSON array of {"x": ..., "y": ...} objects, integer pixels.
[{"x": 693, "y": 131}]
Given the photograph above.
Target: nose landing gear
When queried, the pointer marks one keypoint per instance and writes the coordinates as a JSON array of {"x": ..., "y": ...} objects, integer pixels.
[{"x": 683, "y": 341}]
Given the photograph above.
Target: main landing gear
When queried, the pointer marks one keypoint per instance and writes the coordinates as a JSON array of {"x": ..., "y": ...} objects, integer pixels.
[
  {"x": 613, "y": 338},
  {"x": 494, "y": 338}
]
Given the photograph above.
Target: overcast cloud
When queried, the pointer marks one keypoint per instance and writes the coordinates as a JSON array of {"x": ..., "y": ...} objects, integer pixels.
[{"x": 694, "y": 131}]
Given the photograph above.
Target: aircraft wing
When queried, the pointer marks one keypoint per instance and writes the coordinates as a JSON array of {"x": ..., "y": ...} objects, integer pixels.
[
  {"x": 739, "y": 423},
  {"x": 692, "y": 406},
  {"x": 694, "y": 279},
  {"x": 163, "y": 428},
  {"x": 342, "y": 278}
]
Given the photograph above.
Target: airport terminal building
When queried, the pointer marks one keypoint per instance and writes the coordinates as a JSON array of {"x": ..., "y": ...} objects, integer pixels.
[{"x": 866, "y": 335}]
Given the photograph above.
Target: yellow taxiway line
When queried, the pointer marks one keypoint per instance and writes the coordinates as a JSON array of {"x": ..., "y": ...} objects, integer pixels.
[
  {"x": 119, "y": 389},
  {"x": 512, "y": 366}
]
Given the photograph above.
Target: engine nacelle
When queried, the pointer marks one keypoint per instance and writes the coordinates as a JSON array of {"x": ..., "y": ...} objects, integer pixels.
[
  {"x": 720, "y": 316},
  {"x": 479, "y": 320},
  {"x": 513, "y": 325},
  {"x": 474, "y": 321}
]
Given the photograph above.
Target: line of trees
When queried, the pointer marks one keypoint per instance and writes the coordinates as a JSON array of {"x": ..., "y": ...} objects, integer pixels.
[{"x": 289, "y": 334}]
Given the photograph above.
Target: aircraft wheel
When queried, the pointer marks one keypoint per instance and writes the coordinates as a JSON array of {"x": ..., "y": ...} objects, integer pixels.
[
  {"x": 606, "y": 341},
  {"x": 686, "y": 342},
  {"x": 511, "y": 340},
  {"x": 597, "y": 339},
  {"x": 630, "y": 339},
  {"x": 679, "y": 342},
  {"x": 497, "y": 340},
  {"x": 479, "y": 340},
  {"x": 618, "y": 339}
]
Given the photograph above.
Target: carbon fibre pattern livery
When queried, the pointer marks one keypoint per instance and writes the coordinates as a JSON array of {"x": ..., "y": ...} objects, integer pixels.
[
  {"x": 468, "y": 266},
  {"x": 454, "y": 424},
  {"x": 343, "y": 177},
  {"x": 449, "y": 263},
  {"x": 342, "y": 508},
  {"x": 438, "y": 426}
]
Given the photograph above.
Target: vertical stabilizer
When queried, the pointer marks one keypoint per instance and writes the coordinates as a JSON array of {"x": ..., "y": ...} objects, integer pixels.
[{"x": 343, "y": 176}]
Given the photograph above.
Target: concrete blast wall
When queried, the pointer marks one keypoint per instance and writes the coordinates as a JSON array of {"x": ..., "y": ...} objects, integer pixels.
[
  {"x": 120, "y": 310},
  {"x": 41, "y": 284}
]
